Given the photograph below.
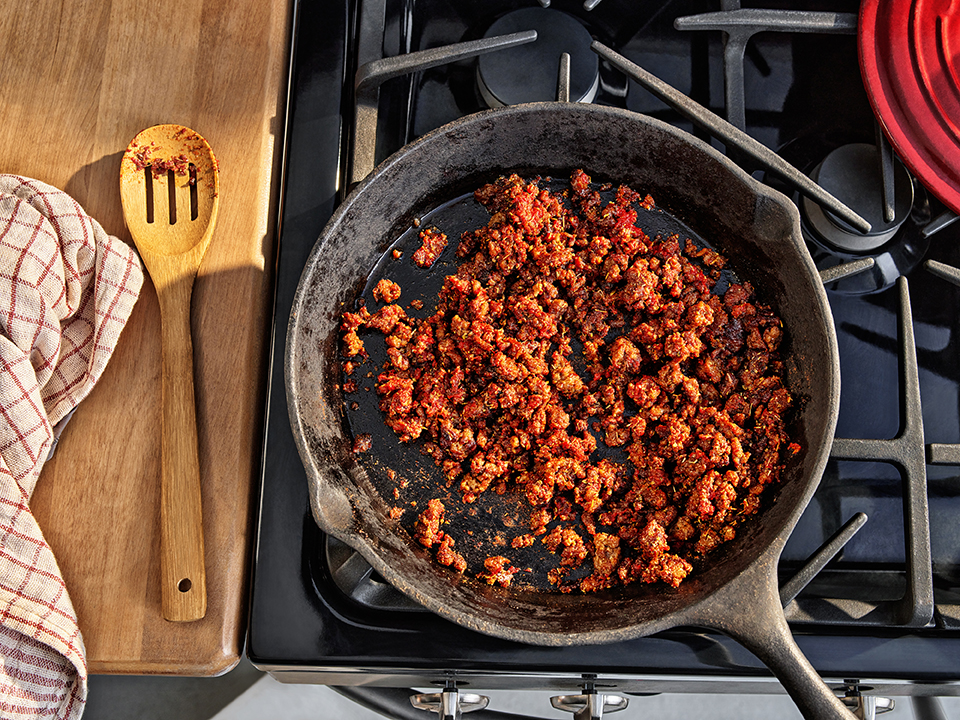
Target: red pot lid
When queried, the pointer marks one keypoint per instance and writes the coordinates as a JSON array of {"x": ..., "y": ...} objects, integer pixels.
[{"x": 910, "y": 62}]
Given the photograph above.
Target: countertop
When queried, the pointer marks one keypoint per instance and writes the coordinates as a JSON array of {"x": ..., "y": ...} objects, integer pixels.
[{"x": 78, "y": 80}]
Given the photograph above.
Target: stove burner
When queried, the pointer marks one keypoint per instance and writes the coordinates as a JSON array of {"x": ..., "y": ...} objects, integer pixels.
[
  {"x": 528, "y": 73},
  {"x": 852, "y": 174}
]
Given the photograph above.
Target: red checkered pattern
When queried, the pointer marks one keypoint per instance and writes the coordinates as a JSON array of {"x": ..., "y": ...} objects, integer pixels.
[{"x": 66, "y": 291}]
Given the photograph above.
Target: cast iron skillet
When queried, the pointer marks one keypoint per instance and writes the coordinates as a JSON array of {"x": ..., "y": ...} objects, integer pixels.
[{"x": 755, "y": 227}]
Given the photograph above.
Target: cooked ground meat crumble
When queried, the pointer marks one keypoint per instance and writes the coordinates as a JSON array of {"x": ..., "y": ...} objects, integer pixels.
[{"x": 564, "y": 326}]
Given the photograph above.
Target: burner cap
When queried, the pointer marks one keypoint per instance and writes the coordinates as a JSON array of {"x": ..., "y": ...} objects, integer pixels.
[
  {"x": 528, "y": 73},
  {"x": 852, "y": 174}
]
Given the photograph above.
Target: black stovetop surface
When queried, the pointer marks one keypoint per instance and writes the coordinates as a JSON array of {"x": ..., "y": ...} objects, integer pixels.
[{"x": 804, "y": 96}]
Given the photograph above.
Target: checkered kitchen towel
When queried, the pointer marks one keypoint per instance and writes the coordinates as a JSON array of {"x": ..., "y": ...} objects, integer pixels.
[{"x": 66, "y": 291}]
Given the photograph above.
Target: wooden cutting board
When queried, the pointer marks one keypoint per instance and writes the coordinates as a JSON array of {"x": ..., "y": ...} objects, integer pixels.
[{"x": 78, "y": 80}]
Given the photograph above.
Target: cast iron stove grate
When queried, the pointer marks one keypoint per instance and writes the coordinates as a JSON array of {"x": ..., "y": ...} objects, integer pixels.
[{"x": 302, "y": 621}]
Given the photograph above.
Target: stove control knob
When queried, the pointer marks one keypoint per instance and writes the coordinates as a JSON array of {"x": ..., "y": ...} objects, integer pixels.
[
  {"x": 867, "y": 707},
  {"x": 589, "y": 706},
  {"x": 449, "y": 704}
]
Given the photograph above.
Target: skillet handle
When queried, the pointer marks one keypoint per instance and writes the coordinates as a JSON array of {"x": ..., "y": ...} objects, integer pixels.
[
  {"x": 775, "y": 646},
  {"x": 753, "y": 616}
]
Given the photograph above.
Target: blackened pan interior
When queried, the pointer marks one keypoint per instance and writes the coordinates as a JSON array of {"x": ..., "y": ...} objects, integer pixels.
[
  {"x": 488, "y": 525},
  {"x": 756, "y": 228}
]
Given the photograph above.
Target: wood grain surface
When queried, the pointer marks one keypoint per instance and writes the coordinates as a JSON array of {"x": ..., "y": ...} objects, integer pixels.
[{"x": 78, "y": 80}]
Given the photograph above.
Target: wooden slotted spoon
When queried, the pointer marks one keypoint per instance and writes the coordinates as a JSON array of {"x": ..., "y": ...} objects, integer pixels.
[{"x": 169, "y": 188}]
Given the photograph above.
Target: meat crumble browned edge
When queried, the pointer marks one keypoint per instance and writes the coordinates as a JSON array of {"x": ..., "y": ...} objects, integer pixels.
[{"x": 686, "y": 381}]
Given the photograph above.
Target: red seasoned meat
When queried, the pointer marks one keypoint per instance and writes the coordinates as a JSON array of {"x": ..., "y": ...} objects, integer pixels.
[
  {"x": 566, "y": 324},
  {"x": 432, "y": 244}
]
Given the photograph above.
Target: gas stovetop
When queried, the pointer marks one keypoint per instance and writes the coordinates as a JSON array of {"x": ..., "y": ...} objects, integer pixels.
[{"x": 874, "y": 563}]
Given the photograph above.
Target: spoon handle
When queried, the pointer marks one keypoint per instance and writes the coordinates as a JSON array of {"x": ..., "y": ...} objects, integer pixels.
[{"x": 182, "y": 572}]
